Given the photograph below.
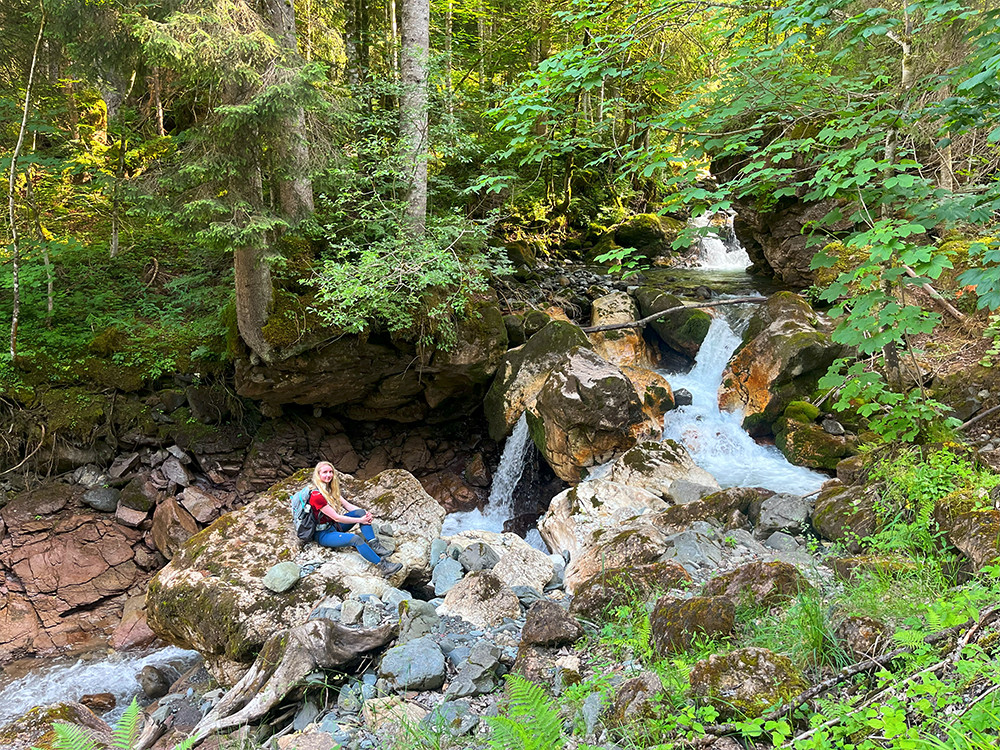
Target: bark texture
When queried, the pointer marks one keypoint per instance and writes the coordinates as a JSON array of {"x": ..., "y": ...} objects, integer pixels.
[{"x": 416, "y": 15}]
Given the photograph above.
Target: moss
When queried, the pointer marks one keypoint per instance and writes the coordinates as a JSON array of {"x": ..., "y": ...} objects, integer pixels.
[
  {"x": 75, "y": 411},
  {"x": 288, "y": 320},
  {"x": 801, "y": 411},
  {"x": 845, "y": 259}
]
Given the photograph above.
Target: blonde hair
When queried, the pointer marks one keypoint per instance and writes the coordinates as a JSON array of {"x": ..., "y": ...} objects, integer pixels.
[{"x": 330, "y": 491}]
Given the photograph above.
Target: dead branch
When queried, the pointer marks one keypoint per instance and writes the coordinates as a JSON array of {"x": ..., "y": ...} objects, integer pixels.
[
  {"x": 979, "y": 417},
  {"x": 946, "y": 306},
  {"x": 654, "y": 316}
]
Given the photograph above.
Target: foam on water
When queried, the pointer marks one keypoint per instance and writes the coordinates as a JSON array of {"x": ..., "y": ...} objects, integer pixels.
[
  {"x": 715, "y": 439},
  {"x": 60, "y": 681},
  {"x": 720, "y": 251}
]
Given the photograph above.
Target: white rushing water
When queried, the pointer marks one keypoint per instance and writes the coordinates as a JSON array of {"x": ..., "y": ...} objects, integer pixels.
[
  {"x": 60, "y": 681},
  {"x": 715, "y": 439},
  {"x": 501, "y": 503},
  {"x": 720, "y": 252}
]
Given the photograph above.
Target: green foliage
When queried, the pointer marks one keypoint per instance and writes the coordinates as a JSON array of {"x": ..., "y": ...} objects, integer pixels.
[
  {"x": 531, "y": 722},
  {"x": 124, "y": 736}
]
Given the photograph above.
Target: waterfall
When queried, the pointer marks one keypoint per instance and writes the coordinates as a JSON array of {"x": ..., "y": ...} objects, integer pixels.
[
  {"x": 720, "y": 252},
  {"x": 62, "y": 680},
  {"x": 715, "y": 439},
  {"x": 500, "y": 505}
]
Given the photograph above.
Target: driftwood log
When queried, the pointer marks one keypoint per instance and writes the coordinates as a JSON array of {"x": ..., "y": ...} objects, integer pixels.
[{"x": 286, "y": 658}]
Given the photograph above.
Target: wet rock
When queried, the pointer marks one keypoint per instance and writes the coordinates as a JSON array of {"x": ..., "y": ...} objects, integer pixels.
[
  {"x": 585, "y": 414},
  {"x": 99, "y": 703},
  {"x": 549, "y": 624},
  {"x": 683, "y": 330},
  {"x": 482, "y": 599},
  {"x": 597, "y": 596},
  {"x": 476, "y": 473},
  {"x": 651, "y": 234},
  {"x": 155, "y": 683},
  {"x": 760, "y": 583},
  {"x": 746, "y": 682},
  {"x": 414, "y": 665},
  {"x": 786, "y": 350},
  {"x": 675, "y": 623},
  {"x": 812, "y": 446},
  {"x": 654, "y": 392},
  {"x": 718, "y": 506},
  {"x": 683, "y": 397},
  {"x": 104, "y": 499},
  {"x": 133, "y": 631}
]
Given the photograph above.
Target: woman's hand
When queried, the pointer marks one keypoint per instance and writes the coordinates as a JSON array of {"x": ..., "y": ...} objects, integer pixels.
[{"x": 367, "y": 518}]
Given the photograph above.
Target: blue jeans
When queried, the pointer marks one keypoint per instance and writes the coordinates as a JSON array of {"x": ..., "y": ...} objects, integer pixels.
[{"x": 337, "y": 535}]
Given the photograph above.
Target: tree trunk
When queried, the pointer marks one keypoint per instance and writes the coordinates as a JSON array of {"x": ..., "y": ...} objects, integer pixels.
[
  {"x": 295, "y": 194},
  {"x": 413, "y": 108},
  {"x": 351, "y": 42},
  {"x": 12, "y": 214},
  {"x": 36, "y": 219},
  {"x": 254, "y": 292},
  {"x": 449, "y": 92},
  {"x": 156, "y": 93}
]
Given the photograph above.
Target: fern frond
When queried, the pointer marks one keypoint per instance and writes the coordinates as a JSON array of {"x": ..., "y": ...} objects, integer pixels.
[
  {"x": 72, "y": 737},
  {"x": 127, "y": 728}
]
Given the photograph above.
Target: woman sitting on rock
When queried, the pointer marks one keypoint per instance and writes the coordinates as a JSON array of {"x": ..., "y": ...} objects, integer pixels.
[{"x": 332, "y": 528}]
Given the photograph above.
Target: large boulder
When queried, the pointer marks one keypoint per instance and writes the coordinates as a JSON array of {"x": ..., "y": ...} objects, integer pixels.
[
  {"x": 785, "y": 351},
  {"x": 597, "y": 597},
  {"x": 845, "y": 514},
  {"x": 522, "y": 373},
  {"x": 623, "y": 346},
  {"x": 482, "y": 599},
  {"x": 591, "y": 515},
  {"x": 66, "y": 574},
  {"x": 675, "y": 623},
  {"x": 805, "y": 443},
  {"x": 683, "y": 330},
  {"x": 33, "y": 730},
  {"x": 972, "y": 524},
  {"x": 746, "y": 682},
  {"x": 373, "y": 377},
  {"x": 651, "y": 234},
  {"x": 211, "y": 596},
  {"x": 586, "y": 414},
  {"x": 655, "y": 467},
  {"x": 517, "y": 563},
  {"x": 759, "y": 583}
]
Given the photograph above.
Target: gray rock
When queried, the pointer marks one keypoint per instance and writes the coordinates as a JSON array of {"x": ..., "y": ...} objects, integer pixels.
[
  {"x": 694, "y": 549},
  {"x": 832, "y": 427},
  {"x": 558, "y": 570},
  {"x": 392, "y": 597},
  {"x": 683, "y": 397},
  {"x": 683, "y": 492},
  {"x": 438, "y": 548},
  {"x": 350, "y": 612},
  {"x": 782, "y": 542},
  {"x": 417, "y": 619},
  {"x": 305, "y": 716},
  {"x": 104, "y": 499},
  {"x": 478, "y": 556},
  {"x": 478, "y": 675},
  {"x": 349, "y": 699},
  {"x": 372, "y": 613},
  {"x": 782, "y": 512},
  {"x": 454, "y": 717},
  {"x": 446, "y": 574},
  {"x": 589, "y": 714},
  {"x": 527, "y": 595},
  {"x": 123, "y": 464},
  {"x": 175, "y": 471},
  {"x": 155, "y": 682},
  {"x": 281, "y": 577},
  {"x": 416, "y": 665},
  {"x": 458, "y": 656}
]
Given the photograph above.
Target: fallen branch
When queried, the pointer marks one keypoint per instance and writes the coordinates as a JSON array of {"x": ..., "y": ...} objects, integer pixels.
[
  {"x": 41, "y": 442},
  {"x": 654, "y": 316},
  {"x": 933, "y": 292},
  {"x": 980, "y": 417}
]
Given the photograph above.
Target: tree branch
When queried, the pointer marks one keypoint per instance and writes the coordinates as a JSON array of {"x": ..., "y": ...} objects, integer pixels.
[{"x": 654, "y": 316}]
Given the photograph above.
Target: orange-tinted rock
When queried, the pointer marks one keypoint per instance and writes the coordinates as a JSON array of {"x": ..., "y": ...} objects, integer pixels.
[
  {"x": 675, "y": 623},
  {"x": 763, "y": 583},
  {"x": 614, "y": 587}
]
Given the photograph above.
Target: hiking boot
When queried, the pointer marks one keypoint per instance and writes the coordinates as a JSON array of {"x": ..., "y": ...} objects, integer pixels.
[
  {"x": 378, "y": 549},
  {"x": 387, "y": 568}
]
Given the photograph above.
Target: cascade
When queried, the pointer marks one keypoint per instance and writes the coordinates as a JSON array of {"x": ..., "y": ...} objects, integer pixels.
[
  {"x": 62, "y": 681},
  {"x": 500, "y": 505},
  {"x": 720, "y": 252},
  {"x": 716, "y": 439}
]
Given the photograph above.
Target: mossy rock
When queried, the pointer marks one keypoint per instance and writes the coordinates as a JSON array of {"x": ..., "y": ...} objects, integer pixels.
[
  {"x": 604, "y": 245},
  {"x": 846, "y": 514},
  {"x": 802, "y": 411},
  {"x": 534, "y": 321},
  {"x": 747, "y": 682},
  {"x": 675, "y": 623},
  {"x": 598, "y": 596},
  {"x": 34, "y": 728},
  {"x": 846, "y": 259},
  {"x": 73, "y": 411},
  {"x": 650, "y": 233},
  {"x": 515, "y": 329},
  {"x": 683, "y": 330},
  {"x": 811, "y": 446},
  {"x": 759, "y": 583},
  {"x": 972, "y": 524},
  {"x": 858, "y": 566}
]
